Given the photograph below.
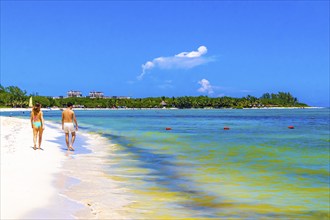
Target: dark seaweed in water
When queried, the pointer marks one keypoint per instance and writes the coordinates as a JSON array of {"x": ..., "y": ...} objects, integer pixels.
[{"x": 165, "y": 174}]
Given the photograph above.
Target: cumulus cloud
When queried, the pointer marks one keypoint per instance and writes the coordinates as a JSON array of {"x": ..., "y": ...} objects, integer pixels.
[
  {"x": 206, "y": 86},
  {"x": 183, "y": 60},
  {"x": 200, "y": 51}
]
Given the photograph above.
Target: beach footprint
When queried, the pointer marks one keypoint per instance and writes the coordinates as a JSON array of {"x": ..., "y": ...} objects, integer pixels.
[{"x": 95, "y": 210}]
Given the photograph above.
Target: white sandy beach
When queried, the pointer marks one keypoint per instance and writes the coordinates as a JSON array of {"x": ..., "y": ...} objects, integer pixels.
[
  {"x": 33, "y": 181},
  {"x": 27, "y": 175},
  {"x": 37, "y": 184}
]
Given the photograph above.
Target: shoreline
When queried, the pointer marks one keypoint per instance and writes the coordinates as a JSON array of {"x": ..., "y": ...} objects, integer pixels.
[
  {"x": 123, "y": 109},
  {"x": 32, "y": 181},
  {"x": 94, "y": 182},
  {"x": 56, "y": 183},
  {"x": 90, "y": 170},
  {"x": 28, "y": 175}
]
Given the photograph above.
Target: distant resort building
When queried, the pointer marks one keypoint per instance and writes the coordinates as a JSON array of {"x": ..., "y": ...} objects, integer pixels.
[
  {"x": 74, "y": 93},
  {"x": 96, "y": 94},
  {"x": 92, "y": 94}
]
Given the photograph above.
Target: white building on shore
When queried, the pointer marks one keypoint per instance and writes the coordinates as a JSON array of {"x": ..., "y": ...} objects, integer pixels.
[
  {"x": 72, "y": 93},
  {"x": 96, "y": 94},
  {"x": 92, "y": 94}
]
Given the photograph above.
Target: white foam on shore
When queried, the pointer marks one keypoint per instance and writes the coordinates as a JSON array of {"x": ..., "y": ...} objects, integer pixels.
[{"x": 104, "y": 197}]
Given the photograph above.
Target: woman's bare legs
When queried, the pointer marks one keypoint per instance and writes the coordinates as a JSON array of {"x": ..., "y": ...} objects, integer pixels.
[
  {"x": 35, "y": 133},
  {"x": 37, "y": 137},
  {"x": 40, "y": 136}
]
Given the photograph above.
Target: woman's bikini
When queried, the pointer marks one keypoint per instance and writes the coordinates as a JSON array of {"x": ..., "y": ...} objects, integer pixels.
[{"x": 36, "y": 123}]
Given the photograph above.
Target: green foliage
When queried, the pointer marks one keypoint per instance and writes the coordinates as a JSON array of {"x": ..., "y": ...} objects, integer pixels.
[
  {"x": 280, "y": 99},
  {"x": 44, "y": 101},
  {"x": 13, "y": 96}
]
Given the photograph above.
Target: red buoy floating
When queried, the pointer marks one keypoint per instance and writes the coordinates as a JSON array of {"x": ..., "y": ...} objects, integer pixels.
[
  {"x": 167, "y": 129},
  {"x": 226, "y": 128},
  {"x": 291, "y": 127}
]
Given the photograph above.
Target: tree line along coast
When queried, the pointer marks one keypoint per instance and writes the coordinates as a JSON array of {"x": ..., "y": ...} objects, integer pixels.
[{"x": 14, "y": 97}]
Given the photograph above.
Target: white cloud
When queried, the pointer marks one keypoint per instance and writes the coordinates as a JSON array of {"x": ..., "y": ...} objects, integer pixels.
[
  {"x": 201, "y": 50},
  {"x": 183, "y": 60},
  {"x": 205, "y": 86}
]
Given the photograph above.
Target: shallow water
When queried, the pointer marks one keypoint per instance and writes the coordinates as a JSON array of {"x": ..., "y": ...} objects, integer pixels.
[{"x": 258, "y": 168}]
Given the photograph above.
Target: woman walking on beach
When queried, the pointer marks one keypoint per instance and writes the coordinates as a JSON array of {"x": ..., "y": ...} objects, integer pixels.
[{"x": 37, "y": 123}]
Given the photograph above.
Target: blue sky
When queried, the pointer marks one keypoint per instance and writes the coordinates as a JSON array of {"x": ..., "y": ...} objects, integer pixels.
[{"x": 167, "y": 48}]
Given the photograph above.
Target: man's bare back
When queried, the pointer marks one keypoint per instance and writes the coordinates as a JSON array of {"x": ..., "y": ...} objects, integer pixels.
[{"x": 67, "y": 115}]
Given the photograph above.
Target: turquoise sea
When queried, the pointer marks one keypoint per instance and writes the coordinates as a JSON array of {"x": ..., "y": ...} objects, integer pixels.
[{"x": 259, "y": 168}]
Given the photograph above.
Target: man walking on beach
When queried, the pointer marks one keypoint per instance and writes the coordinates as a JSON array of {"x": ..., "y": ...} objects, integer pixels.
[{"x": 68, "y": 118}]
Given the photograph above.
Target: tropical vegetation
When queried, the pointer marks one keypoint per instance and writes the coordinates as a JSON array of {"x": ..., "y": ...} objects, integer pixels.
[{"x": 13, "y": 96}]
